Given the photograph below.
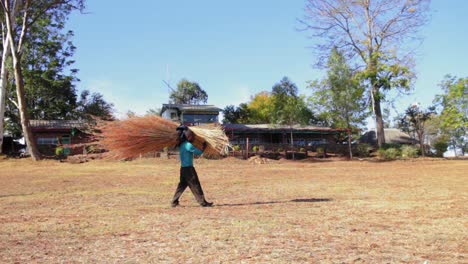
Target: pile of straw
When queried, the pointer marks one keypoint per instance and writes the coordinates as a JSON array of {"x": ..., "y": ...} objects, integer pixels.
[{"x": 136, "y": 136}]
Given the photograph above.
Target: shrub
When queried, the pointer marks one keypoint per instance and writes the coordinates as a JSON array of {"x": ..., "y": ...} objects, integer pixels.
[
  {"x": 236, "y": 147},
  {"x": 59, "y": 152},
  {"x": 255, "y": 148},
  {"x": 409, "y": 152},
  {"x": 391, "y": 145},
  {"x": 363, "y": 150},
  {"x": 389, "y": 154},
  {"x": 302, "y": 150},
  {"x": 440, "y": 147}
]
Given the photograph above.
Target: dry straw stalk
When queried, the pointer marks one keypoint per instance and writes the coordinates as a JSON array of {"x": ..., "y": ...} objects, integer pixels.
[{"x": 136, "y": 136}]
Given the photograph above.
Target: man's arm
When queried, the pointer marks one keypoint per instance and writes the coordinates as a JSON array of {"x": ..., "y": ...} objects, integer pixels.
[{"x": 190, "y": 147}]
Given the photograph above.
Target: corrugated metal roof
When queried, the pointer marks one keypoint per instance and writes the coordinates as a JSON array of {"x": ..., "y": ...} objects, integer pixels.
[
  {"x": 270, "y": 127},
  {"x": 189, "y": 107},
  {"x": 57, "y": 124}
]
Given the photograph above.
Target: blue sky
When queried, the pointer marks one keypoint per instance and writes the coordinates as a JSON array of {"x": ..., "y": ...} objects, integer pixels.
[{"x": 233, "y": 49}]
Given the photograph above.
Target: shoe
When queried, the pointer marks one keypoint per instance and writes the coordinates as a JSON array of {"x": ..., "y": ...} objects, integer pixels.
[
  {"x": 174, "y": 204},
  {"x": 207, "y": 204}
]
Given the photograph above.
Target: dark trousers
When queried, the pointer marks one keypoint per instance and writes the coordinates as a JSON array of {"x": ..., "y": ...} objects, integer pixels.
[{"x": 189, "y": 177}]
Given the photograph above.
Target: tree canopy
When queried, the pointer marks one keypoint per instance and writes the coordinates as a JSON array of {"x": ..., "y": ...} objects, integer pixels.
[
  {"x": 370, "y": 33},
  {"x": 188, "y": 92},
  {"x": 453, "y": 106}
]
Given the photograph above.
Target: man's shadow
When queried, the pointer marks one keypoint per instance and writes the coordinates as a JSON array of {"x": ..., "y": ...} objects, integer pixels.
[{"x": 306, "y": 200}]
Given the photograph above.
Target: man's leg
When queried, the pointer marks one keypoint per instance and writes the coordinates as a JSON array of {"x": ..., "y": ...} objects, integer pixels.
[
  {"x": 195, "y": 187},
  {"x": 180, "y": 189}
]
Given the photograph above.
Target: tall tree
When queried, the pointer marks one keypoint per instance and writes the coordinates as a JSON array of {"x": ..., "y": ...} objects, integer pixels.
[
  {"x": 453, "y": 106},
  {"x": 261, "y": 108},
  {"x": 339, "y": 98},
  {"x": 288, "y": 107},
  {"x": 92, "y": 106},
  {"x": 414, "y": 122},
  {"x": 188, "y": 92},
  {"x": 28, "y": 12},
  {"x": 371, "y": 32},
  {"x": 236, "y": 115}
]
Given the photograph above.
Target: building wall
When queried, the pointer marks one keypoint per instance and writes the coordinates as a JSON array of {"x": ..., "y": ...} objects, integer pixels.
[
  {"x": 300, "y": 139},
  {"x": 55, "y": 139}
]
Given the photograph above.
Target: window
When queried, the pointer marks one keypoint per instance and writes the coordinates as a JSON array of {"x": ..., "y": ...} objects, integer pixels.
[{"x": 47, "y": 141}]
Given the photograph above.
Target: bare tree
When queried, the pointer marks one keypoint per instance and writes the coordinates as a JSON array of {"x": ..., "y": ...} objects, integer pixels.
[
  {"x": 371, "y": 32},
  {"x": 28, "y": 12}
]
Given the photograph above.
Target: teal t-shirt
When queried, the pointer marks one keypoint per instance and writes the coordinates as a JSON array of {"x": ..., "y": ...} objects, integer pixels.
[{"x": 186, "y": 152}]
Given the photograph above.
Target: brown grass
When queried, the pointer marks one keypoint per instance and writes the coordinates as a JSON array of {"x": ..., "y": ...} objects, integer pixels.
[{"x": 280, "y": 212}]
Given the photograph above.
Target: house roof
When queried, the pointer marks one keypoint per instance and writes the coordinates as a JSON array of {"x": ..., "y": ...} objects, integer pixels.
[
  {"x": 392, "y": 135},
  {"x": 277, "y": 128},
  {"x": 58, "y": 124},
  {"x": 191, "y": 108}
]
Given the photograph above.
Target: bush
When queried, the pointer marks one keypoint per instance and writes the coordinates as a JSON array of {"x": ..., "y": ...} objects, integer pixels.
[
  {"x": 363, "y": 150},
  {"x": 302, "y": 150},
  {"x": 236, "y": 147},
  {"x": 59, "y": 152},
  {"x": 389, "y": 154},
  {"x": 440, "y": 147},
  {"x": 391, "y": 145},
  {"x": 255, "y": 148},
  {"x": 409, "y": 152}
]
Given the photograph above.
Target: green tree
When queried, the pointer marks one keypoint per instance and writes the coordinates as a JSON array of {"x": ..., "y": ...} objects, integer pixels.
[
  {"x": 28, "y": 13},
  {"x": 288, "y": 107},
  {"x": 94, "y": 106},
  {"x": 453, "y": 106},
  {"x": 236, "y": 115},
  {"x": 371, "y": 32},
  {"x": 339, "y": 98},
  {"x": 260, "y": 108},
  {"x": 49, "y": 84},
  {"x": 414, "y": 122},
  {"x": 188, "y": 92}
]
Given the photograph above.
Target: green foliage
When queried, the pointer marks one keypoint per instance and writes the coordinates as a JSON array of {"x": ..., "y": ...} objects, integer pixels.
[
  {"x": 59, "y": 152},
  {"x": 440, "y": 146},
  {"x": 188, "y": 92},
  {"x": 339, "y": 98},
  {"x": 236, "y": 115},
  {"x": 93, "y": 106},
  {"x": 302, "y": 150},
  {"x": 320, "y": 150},
  {"x": 409, "y": 152},
  {"x": 363, "y": 150},
  {"x": 389, "y": 153},
  {"x": 454, "y": 110},
  {"x": 255, "y": 148},
  {"x": 391, "y": 145},
  {"x": 236, "y": 147}
]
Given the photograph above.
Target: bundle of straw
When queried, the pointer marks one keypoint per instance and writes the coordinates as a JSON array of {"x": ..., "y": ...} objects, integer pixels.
[{"x": 135, "y": 136}]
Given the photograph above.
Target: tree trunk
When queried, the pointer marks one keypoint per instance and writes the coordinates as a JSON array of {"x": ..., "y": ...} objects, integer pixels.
[
  {"x": 378, "y": 117},
  {"x": 349, "y": 144},
  {"x": 27, "y": 133},
  {"x": 3, "y": 84}
]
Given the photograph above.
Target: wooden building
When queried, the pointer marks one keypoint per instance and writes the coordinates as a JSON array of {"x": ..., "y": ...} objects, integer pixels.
[
  {"x": 71, "y": 135},
  {"x": 267, "y": 134},
  {"x": 191, "y": 115}
]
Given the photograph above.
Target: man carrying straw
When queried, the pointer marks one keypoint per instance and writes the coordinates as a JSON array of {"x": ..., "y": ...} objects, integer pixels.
[{"x": 188, "y": 174}]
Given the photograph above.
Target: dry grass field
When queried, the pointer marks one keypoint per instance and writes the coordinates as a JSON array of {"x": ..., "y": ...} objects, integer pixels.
[{"x": 282, "y": 212}]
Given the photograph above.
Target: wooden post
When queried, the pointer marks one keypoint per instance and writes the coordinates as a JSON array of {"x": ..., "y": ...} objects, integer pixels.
[{"x": 246, "y": 148}]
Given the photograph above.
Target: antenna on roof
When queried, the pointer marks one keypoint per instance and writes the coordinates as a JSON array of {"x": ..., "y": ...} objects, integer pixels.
[{"x": 168, "y": 77}]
